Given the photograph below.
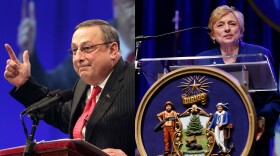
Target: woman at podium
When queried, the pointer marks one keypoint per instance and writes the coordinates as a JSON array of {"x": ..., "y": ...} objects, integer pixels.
[{"x": 227, "y": 29}]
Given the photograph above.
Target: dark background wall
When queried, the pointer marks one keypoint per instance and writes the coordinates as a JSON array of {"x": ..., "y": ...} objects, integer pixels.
[
  {"x": 154, "y": 17},
  {"x": 262, "y": 27}
]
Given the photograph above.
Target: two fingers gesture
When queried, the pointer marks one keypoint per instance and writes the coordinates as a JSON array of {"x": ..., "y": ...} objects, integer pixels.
[{"x": 17, "y": 73}]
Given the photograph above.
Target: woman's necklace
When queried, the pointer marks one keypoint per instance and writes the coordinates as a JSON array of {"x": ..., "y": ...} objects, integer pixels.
[{"x": 230, "y": 58}]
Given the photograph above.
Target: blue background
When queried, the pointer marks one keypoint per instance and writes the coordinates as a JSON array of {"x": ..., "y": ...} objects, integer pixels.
[{"x": 55, "y": 25}]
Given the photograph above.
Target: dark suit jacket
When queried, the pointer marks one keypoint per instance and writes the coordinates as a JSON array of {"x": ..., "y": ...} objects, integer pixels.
[{"x": 111, "y": 124}]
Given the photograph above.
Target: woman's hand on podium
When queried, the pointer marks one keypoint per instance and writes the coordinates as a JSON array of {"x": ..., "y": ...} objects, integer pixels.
[{"x": 260, "y": 127}]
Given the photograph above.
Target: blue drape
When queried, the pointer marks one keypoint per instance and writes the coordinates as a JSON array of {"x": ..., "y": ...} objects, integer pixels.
[
  {"x": 55, "y": 25},
  {"x": 154, "y": 17}
]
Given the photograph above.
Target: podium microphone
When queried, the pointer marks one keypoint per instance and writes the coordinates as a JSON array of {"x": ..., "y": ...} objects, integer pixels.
[
  {"x": 142, "y": 38},
  {"x": 44, "y": 104},
  {"x": 37, "y": 109},
  {"x": 49, "y": 95}
]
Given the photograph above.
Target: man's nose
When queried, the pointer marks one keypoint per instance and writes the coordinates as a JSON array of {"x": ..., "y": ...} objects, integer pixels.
[{"x": 80, "y": 56}]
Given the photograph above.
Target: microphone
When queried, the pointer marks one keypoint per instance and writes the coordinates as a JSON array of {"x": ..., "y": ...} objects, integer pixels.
[
  {"x": 142, "y": 38},
  {"x": 49, "y": 95},
  {"x": 47, "y": 102}
]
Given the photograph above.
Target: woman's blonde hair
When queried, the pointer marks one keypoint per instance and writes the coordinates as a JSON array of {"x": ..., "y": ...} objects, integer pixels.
[{"x": 223, "y": 10}]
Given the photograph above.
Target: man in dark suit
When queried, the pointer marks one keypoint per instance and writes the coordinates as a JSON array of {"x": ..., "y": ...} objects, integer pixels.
[
  {"x": 97, "y": 60},
  {"x": 123, "y": 21}
]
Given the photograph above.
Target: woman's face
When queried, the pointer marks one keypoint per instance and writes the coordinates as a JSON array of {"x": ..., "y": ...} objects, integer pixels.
[{"x": 226, "y": 30}]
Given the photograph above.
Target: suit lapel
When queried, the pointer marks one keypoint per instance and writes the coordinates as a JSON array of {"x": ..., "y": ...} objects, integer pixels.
[
  {"x": 109, "y": 93},
  {"x": 80, "y": 89}
]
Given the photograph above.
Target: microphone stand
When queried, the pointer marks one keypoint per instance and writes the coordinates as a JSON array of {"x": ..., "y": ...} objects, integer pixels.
[
  {"x": 139, "y": 39},
  {"x": 30, "y": 143}
]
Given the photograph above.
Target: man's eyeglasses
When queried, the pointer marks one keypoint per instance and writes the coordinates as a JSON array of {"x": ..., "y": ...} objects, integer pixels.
[{"x": 86, "y": 49}]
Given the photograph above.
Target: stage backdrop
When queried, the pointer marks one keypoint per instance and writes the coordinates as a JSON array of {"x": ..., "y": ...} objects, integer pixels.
[
  {"x": 55, "y": 22},
  {"x": 261, "y": 26},
  {"x": 155, "y": 17}
]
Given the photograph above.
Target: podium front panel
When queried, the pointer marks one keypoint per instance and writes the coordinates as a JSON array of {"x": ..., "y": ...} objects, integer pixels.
[{"x": 195, "y": 91}]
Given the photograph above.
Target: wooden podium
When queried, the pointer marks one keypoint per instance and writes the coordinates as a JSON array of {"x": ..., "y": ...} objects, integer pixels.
[{"x": 65, "y": 147}]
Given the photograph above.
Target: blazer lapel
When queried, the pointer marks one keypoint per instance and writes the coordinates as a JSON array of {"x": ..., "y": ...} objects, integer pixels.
[
  {"x": 80, "y": 89},
  {"x": 109, "y": 93}
]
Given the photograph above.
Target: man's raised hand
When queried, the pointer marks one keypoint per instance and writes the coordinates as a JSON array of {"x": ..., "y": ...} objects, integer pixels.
[{"x": 17, "y": 73}]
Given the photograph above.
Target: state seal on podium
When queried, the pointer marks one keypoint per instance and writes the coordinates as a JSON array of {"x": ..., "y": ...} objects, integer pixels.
[{"x": 196, "y": 110}]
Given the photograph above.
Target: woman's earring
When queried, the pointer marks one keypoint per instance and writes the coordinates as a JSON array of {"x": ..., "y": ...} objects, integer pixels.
[{"x": 214, "y": 41}]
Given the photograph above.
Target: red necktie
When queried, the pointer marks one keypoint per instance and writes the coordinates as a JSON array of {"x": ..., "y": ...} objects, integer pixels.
[{"x": 77, "y": 131}]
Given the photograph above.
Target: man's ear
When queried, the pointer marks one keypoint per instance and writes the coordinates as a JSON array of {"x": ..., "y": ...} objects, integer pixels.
[{"x": 114, "y": 50}]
